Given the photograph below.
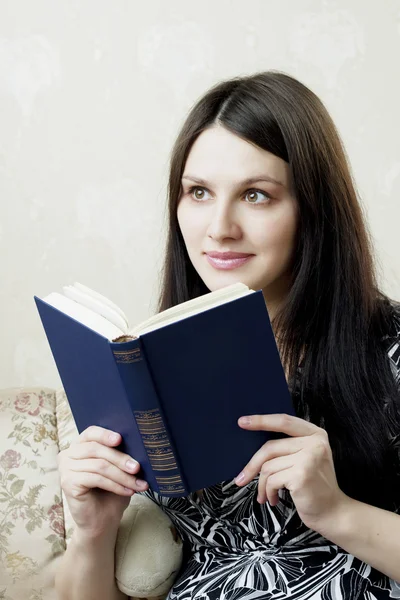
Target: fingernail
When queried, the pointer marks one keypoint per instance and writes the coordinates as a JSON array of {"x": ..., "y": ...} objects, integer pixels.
[
  {"x": 244, "y": 420},
  {"x": 113, "y": 437},
  {"x": 239, "y": 478},
  {"x": 141, "y": 483},
  {"x": 131, "y": 465},
  {"x": 129, "y": 490}
]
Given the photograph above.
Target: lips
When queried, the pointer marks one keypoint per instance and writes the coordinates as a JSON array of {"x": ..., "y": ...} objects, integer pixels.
[
  {"x": 228, "y": 260},
  {"x": 228, "y": 255}
]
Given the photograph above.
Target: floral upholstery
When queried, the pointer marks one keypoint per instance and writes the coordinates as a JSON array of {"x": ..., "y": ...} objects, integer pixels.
[
  {"x": 32, "y": 533},
  {"x": 35, "y": 521}
]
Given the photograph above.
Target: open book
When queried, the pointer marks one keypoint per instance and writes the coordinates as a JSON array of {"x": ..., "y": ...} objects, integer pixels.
[
  {"x": 106, "y": 318},
  {"x": 173, "y": 386}
]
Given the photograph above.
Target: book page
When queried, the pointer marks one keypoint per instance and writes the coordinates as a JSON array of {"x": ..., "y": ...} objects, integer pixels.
[
  {"x": 97, "y": 312},
  {"x": 100, "y": 298},
  {"x": 96, "y": 305},
  {"x": 84, "y": 315},
  {"x": 192, "y": 307}
]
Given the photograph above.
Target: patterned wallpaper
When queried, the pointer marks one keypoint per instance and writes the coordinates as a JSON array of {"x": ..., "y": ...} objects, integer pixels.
[{"x": 92, "y": 95}]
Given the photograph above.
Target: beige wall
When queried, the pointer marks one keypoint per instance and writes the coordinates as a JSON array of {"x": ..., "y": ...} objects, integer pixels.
[{"x": 92, "y": 93}]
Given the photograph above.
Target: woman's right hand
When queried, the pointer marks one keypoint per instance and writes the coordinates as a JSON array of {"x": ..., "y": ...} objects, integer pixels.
[{"x": 98, "y": 480}]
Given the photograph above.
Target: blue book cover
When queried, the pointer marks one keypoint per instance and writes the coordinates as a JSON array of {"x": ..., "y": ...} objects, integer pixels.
[{"x": 175, "y": 393}]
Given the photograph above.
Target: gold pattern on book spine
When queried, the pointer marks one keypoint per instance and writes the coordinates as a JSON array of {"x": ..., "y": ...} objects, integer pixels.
[
  {"x": 159, "y": 449},
  {"x": 125, "y": 357}
]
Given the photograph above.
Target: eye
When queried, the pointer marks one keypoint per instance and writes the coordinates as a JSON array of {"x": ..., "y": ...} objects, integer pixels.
[
  {"x": 257, "y": 197},
  {"x": 198, "y": 193}
]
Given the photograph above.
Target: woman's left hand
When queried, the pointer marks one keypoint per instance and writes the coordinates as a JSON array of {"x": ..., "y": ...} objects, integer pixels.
[{"x": 302, "y": 464}]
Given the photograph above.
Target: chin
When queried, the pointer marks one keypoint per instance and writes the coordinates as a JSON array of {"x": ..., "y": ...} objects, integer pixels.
[{"x": 222, "y": 280}]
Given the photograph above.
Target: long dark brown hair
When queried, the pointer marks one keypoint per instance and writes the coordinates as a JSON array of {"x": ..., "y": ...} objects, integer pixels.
[{"x": 333, "y": 321}]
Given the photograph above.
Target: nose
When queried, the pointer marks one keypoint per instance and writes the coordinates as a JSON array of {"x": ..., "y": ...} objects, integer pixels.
[{"x": 224, "y": 224}]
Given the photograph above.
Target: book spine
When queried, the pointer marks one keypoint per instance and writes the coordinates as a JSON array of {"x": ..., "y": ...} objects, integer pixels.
[{"x": 162, "y": 472}]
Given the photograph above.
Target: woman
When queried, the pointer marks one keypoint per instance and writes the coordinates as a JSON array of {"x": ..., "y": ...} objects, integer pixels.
[{"x": 260, "y": 192}]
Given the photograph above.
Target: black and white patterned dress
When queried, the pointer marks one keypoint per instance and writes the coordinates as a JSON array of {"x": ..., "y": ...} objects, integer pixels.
[{"x": 241, "y": 550}]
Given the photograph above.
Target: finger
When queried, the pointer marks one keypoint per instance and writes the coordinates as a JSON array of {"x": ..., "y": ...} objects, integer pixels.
[
  {"x": 267, "y": 470},
  {"x": 281, "y": 423},
  {"x": 267, "y": 452},
  {"x": 93, "y": 449},
  {"x": 276, "y": 482},
  {"x": 86, "y": 481},
  {"x": 102, "y": 467},
  {"x": 94, "y": 433}
]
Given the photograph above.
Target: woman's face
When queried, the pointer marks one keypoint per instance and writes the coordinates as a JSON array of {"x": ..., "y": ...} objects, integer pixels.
[{"x": 237, "y": 214}]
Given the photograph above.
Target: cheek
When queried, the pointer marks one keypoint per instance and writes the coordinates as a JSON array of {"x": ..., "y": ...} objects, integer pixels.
[
  {"x": 277, "y": 233},
  {"x": 190, "y": 223},
  {"x": 183, "y": 222}
]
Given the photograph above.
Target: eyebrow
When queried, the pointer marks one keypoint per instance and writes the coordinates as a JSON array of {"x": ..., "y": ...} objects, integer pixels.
[{"x": 249, "y": 181}]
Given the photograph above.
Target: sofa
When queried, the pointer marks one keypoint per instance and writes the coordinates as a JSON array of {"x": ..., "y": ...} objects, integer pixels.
[{"x": 35, "y": 523}]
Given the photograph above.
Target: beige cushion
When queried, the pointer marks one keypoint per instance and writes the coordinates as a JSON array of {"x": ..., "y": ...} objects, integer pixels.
[
  {"x": 148, "y": 551},
  {"x": 31, "y": 512}
]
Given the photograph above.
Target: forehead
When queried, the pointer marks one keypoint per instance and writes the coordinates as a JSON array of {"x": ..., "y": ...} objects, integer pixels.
[{"x": 219, "y": 155}]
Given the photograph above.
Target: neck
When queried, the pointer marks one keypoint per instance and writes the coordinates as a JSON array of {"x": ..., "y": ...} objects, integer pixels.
[{"x": 275, "y": 297}]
